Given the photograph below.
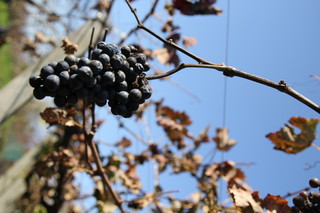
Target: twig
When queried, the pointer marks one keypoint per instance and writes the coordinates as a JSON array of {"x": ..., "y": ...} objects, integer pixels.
[
  {"x": 289, "y": 194},
  {"x": 154, "y": 5},
  {"x": 227, "y": 70}
]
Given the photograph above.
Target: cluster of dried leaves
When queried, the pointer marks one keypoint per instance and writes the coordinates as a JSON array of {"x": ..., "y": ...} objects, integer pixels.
[{"x": 61, "y": 161}]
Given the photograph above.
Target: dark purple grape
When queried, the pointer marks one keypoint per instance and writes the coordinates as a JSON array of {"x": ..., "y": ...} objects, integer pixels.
[
  {"x": 116, "y": 61},
  {"x": 85, "y": 73},
  {"x": 114, "y": 110},
  {"x": 104, "y": 59},
  {"x": 35, "y": 81},
  {"x": 133, "y": 48},
  {"x": 91, "y": 94},
  {"x": 135, "y": 95},
  {"x": 304, "y": 194},
  {"x": 71, "y": 59},
  {"x": 51, "y": 93},
  {"x": 146, "y": 91},
  {"x": 96, "y": 67},
  {"x": 122, "y": 86},
  {"x": 108, "y": 78},
  {"x": 314, "y": 182},
  {"x": 102, "y": 95},
  {"x": 125, "y": 50},
  {"x": 132, "y": 61},
  {"x": 110, "y": 49},
  {"x": 83, "y": 62},
  {"x": 128, "y": 114},
  {"x": 112, "y": 93},
  {"x": 52, "y": 83},
  {"x": 133, "y": 106},
  {"x": 120, "y": 76},
  {"x": 39, "y": 93},
  {"x": 60, "y": 101},
  {"x": 111, "y": 103},
  {"x": 146, "y": 66},
  {"x": 75, "y": 82},
  {"x": 141, "y": 58},
  {"x": 53, "y": 64},
  {"x": 61, "y": 66},
  {"x": 95, "y": 54},
  {"x": 125, "y": 66},
  {"x": 298, "y": 201},
  {"x": 295, "y": 209},
  {"x": 74, "y": 69},
  {"x": 64, "y": 77},
  {"x": 123, "y": 97},
  {"x": 97, "y": 88},
  {"x": 91, "y": 83},
  {"x": 101, "y": 45},
  {"x": 122, "y": 109},
  {"x": 46, "y": 71},
  {"x": 131, "y": 75},
  {"x": 138, "y": 68},
  {"x": 101, "y": 103}
]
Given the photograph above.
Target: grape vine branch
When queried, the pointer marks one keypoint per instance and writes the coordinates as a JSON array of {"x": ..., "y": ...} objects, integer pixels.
[{"x": 228, "y": 71}]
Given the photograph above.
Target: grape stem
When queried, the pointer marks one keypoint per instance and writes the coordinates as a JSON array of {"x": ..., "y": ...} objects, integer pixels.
[
  {"x": 227, "y": 70},
  {"x": 88, "y": 135}
]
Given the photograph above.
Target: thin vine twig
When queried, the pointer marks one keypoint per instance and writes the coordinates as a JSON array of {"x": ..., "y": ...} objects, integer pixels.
[{"x": 227, "y": 70}]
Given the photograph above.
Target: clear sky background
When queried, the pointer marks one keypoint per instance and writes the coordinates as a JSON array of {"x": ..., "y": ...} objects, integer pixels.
[{"x": 278, "y": 40}]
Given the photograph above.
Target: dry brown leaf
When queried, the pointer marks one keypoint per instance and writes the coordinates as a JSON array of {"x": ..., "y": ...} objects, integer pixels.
[
  {"x": 222, "y": 139},
  {"x": 54, "y": 115},
  {"x": 68, "y": 46},
  {"x": 189, "y": 41},
  {"x": 276, "y": 204}
]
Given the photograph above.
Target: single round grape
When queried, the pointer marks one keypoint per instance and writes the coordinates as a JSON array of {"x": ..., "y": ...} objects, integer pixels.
[
  {"x": 104, "y": 59},
  {"x": 314, "y": 182},
  {"x": 102, "y": 95},
  {"x": 61, "y": 66},
  {"x": 141, "y": 58},
  {"x": 131, "y": 75},
  {"x": 128, "y": 114},
  {"x": 101, "y": 45},
  {"x": 91, "y": 83},
  {"x": 125, "y": 50},
  {"x": 39, "y": 93},
  {"x": 35, "y": 81},
  {"x": 138, "y": 68},
  {"x": 72, "y": 98},
  {"x": 71, "y": 59},
  {"x": 111, "y": 103},
  {"x": 85, "y": 73},
  {"x": 114, "y": 110},
  {"x": 122, "y": 86},
  {"x": 146, "y": 91},
  {"x": 101, "y": 103},
  {"x": 133, "y": 48},
  {"x": 95, "y": 54},
  {"x": 83, "y": 62},
  {"x": 122, "y": 109},
  {"x": 74, "y": 69},
  {"x": 123, "y": 97},
  {"x": 116, "y": 61},
  {"x": 75, "y": 82},
  {"x": 60, "y": 101},
  {"x": 298, "y": 201},
  {"x": 132, "y": 60},
  {"x": 304, "y": 194},
  {"x": 52, "y": 83},
  {"x": 146, "y": 66},
  {"x": 97, "y": 87},
  {"x": 125, "y": 66},
  {"x": 108, "y": 78},
  {"x": 64, "y": 77},
  {"x": 46, "y": 71},
  {"x": 133, "y": 106},
  {"x": 110, "y": 49},
  {"x": 53, "y": 64},
  {"x": 96, "y": 67},
  {"x": 120, "y": 76},
  {"x": 135, "y": 95}
]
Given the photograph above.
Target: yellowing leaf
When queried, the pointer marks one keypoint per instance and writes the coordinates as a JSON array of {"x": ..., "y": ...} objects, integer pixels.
[{"x": 288, "y": 141}]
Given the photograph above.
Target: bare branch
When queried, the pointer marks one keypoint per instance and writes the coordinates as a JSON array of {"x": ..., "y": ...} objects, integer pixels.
[{"x": 227, "y": 70}]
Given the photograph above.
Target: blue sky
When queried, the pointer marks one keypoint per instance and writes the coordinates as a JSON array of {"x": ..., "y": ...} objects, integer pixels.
[{"x": 278, "y": 40}]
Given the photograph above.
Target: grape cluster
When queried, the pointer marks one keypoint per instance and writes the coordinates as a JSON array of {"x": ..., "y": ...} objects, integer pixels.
[
  {"x": 112, "y": 76},
  {"x": 308, "y": 202}
]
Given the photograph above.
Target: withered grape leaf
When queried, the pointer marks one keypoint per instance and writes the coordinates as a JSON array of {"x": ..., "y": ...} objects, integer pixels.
[
  {"x": 200, "y": 7},
  {"x": 276, "y": 204},
  {"x": 68, "y": 46},
  {"x": 54, "y": 115},
  {"x": 189, "y": 41},
  {"x": 290, "y": 142},
  {"x": 222, "y": 140},
  {"x": 244, "y": 200}
]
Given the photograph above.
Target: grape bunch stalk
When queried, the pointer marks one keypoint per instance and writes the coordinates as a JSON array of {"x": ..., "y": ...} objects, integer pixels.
[
  {"x": 308, "y": 202},
  {"x": 111, "y": 76}
]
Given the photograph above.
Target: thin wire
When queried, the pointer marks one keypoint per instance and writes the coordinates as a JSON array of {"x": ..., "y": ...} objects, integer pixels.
[{"x": 225, "y": 89}]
